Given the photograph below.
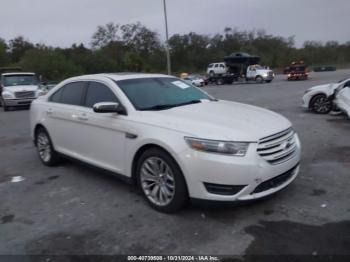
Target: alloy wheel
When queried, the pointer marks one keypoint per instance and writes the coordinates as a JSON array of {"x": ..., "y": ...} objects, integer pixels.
[
  {"x": 44, "y": 147},
  {"x": 321, "y": 104},
  {"x": 157, "y": 181}
]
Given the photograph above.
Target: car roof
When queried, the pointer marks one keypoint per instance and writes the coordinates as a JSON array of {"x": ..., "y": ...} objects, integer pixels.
[
  {"x": 18, "y": 73},
  {"x": 118, "y": 76}
]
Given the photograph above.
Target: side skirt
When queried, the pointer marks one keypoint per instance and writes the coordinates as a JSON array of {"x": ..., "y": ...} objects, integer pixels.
[{"x": 121, "y": 177}]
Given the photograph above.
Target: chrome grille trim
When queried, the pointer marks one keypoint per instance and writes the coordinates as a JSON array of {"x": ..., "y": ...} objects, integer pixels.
[
  {"x": 25, "y": 94},
  {"x": 278, "y": 148}
]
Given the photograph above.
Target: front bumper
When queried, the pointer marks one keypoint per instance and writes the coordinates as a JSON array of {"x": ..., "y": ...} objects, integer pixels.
[
  {"x": 306, "y": 101},
  {"x": 18, "y": 102},
  {"x": 268, "y": 78},
  {"x": 251, "y": 171},
  {"x": 199, "y": 84},
  {"x": 297, "y": 77}
]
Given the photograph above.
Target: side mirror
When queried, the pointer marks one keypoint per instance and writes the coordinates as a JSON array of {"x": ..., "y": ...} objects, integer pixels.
[{"x": 108, "y": 107}]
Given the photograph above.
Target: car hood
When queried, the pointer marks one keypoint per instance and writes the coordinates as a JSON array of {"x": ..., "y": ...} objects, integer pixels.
[
  {"x": 221, "y": 120},
  {"x": 325, "y": 88},
  {"x": 13, "y": 89}
]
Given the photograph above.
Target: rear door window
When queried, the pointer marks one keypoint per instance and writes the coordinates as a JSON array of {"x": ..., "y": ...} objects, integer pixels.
[{"x": 70, "y": 94}]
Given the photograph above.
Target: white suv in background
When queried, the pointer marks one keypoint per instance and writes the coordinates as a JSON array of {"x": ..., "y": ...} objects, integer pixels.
[
  {"x": 174, "y": 140},
  {"x": 217, "y": 69},
  {"x": 18, "y": 89}
]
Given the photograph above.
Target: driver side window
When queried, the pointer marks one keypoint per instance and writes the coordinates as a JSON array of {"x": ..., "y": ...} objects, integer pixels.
[
  {"x": 347, "y": 84},
  {"x": 98, "y": 92}
]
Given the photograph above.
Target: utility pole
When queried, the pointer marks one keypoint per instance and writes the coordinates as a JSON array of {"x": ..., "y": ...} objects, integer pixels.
[{"x": 167, "y": 39}]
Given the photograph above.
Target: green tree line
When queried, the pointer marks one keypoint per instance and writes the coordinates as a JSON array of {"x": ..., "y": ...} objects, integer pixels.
[{"x": 136, "y": 48}]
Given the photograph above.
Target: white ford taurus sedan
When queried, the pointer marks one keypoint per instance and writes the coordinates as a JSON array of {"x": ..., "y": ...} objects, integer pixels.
[{"x": 174, "y": 140}]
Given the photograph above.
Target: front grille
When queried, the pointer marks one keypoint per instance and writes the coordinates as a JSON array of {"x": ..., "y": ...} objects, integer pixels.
[
  {"x": 275, "y": 182},
  {"x": 270, "y": 73},
  {"x": 226, "y": 190},
  {"x": 25, "y": 94},
  {"x": 279, "y": 147}
]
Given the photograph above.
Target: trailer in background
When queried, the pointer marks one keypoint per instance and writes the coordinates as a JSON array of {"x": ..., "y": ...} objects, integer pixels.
[{"x": 239, "y": 66}]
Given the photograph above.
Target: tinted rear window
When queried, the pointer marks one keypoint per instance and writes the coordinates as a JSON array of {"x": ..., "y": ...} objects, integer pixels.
[{"x": 70, "y": 94}]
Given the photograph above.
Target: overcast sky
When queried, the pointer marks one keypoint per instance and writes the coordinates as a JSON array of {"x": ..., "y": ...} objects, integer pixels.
[{"x": 64, "y": 22}]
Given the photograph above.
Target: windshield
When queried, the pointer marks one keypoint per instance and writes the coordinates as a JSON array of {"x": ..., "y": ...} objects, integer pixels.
[
  {"x": 297, "y": 68},
  {"x": 160, "y": 93},
  {"x": 20, "y": 80},
  {"x": 258, "y": 67}
]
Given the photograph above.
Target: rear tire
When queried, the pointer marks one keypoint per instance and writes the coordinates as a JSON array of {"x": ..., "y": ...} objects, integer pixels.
[
  {"x": 161, "y": 181},
  {"x": 220, "y": 81},
  {"x": 46, "y": 151},
  {"x": 321, "y": 104}
]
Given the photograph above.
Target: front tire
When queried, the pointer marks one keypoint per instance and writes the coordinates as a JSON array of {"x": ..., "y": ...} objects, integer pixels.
[
  {"x": 259, "y": 79},
  {"x": 46, "y": 151},
  {"x": 161, "y": 181},
  {"x": 4, "y": 107},
  {"x": 321, "y": 104}
]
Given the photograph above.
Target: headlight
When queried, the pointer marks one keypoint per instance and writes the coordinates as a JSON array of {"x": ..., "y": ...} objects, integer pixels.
[
  {"x": 41, "y": 93},
  {"x": 7, "y": 95},
  {"x": 221, "y": 147}
]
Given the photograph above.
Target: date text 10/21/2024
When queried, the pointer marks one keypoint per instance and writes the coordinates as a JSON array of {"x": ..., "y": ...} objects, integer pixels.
[{"x": 173, "y": 258}]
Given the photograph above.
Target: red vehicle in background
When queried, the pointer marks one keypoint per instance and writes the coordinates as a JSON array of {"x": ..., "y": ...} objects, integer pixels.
[{"x": 296, "y": 71}]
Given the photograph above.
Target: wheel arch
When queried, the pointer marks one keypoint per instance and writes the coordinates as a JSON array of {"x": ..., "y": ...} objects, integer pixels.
[
  {"x": 146, "y": 147},
  {"x": 36, "y": 129},
  {"x": 315, "y": 95}
]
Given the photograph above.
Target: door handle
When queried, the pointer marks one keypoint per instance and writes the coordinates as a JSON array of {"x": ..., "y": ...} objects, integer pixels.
[
  {"x": 49, "y": 111},
  {"x": 83, "y": 117}
]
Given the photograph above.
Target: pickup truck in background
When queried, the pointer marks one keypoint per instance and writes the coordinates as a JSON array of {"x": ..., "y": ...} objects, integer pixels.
[{"x": 239, "y": 66}]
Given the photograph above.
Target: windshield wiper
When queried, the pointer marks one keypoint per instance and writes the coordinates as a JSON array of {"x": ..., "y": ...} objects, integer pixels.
[
  {"x": 168, "y": 106},
  {"x": 196, "y": 101},
  {"x": 157, "y": 107}
]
